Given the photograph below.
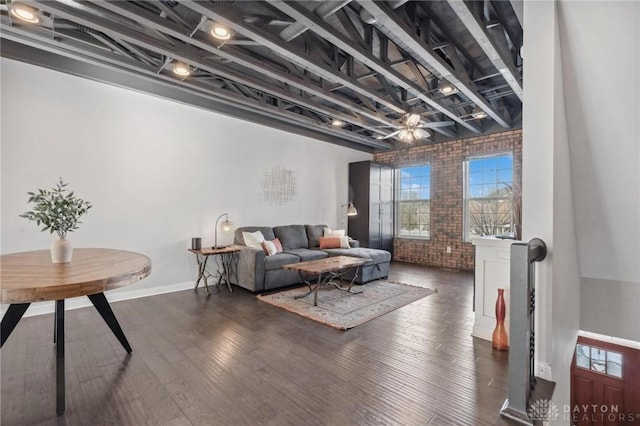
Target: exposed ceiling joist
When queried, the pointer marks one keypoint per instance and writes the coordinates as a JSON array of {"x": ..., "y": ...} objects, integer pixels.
[
  {"x": 323, "y": 10},
  {"x": 120, "y": 64},
  {"x": 398, "y": 31},
  {"x": 165, "y": 27},
  {"x": 158, "y": 46},
  {"x": 230, "y": 18},
  {"x": 503, "y": 63},
  {"x": 325, "y": 31},
  {"x": 365, "y": 69}
]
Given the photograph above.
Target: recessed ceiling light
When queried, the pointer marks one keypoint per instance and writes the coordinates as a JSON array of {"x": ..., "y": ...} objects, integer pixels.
[
  {"x": 478, "y": 114},
  {"x": 337, "y": 122},
  {"x": 181, "y": 69},
  {"x": 447, "y": 88},
  {"x": 220, "y": 32},
  {"x": 379, "y": 137},
  {"x": 25, "y": 13}
]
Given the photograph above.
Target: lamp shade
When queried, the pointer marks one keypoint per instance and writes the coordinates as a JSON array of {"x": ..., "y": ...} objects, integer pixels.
[
  {"x": 351, "y": 209},
  {"x": 225, "y": 226}
]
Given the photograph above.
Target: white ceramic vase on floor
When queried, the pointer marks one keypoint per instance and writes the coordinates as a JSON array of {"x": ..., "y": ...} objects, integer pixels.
[{"x": 61, "y": 250}]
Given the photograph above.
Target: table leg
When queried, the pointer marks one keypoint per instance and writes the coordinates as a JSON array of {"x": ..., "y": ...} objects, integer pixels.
[
  {"x": 59, "y": 321},
  {"x": 202, "y": 272},
  {"x": 226, "y": 264},
  {"x": 315, "y": 294},
  {"x": 10, "y": 320},
  {"x": 103, "y": 308},
  {"x": 55, "y": 320}
]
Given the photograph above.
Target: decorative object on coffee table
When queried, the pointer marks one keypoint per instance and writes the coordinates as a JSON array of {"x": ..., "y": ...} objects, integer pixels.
[
  {"x": 59, "y": 211},
  {"x": 226, "y": 226},
  {"x": 342, "y": 310},
  {"x": 500, "y": 341}
]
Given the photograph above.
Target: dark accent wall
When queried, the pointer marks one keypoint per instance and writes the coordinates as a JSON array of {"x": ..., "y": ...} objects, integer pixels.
[{"x": 447, "y": 187}]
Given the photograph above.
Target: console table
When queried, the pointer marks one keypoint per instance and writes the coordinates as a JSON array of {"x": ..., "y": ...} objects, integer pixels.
[
  {"x": 31, "y": 277},
  {"x": 226, "y": 255}
]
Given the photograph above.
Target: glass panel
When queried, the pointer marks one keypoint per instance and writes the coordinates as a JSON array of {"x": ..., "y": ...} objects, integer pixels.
[
  {"x": 475, "y": 191},
  {"x": 614, "y": 364},
  {"x": 598, "y": 357},
  {"x": 505, "y": 176},
  {"x": 583, "y": 356},
  {"x": 475, "y": 178}
]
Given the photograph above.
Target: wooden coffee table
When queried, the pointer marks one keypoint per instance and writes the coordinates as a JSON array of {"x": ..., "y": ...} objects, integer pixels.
[{"x": 327, "y": 270}]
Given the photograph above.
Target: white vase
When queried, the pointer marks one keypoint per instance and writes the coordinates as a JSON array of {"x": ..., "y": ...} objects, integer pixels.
[{"x": 61, "y": 250}]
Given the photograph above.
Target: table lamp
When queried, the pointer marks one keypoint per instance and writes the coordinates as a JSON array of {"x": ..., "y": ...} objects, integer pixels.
[{"x": 226, "y": 226}]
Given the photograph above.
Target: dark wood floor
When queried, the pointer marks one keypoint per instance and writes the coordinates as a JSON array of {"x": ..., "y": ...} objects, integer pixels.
[{"x": 232, "y": 360}]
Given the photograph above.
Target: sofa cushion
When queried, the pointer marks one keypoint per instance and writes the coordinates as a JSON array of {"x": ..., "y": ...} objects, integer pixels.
[
  {"x": 267, "y": 232},
  {"x": 376, "y": 256},
  {"x": 307, "y": 254},
  {"x": 278, "y": 260},
  {"x": 292, "y": 236},
  {"x": 314, "y": 232}
]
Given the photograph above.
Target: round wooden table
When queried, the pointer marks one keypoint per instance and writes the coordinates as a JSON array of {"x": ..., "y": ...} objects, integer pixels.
[{"x": 31, "y": 277}]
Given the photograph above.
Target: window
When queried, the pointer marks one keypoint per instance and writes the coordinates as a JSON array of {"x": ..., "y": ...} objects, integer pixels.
[
  {"x": 414, "y": 201},
  {"x": 599, "y": 360},
  {"x": 488, "y": 196}
]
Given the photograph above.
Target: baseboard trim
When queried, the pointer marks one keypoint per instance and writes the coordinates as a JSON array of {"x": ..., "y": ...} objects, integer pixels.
[
  {"x": 543, "y": 370},
  {"x": 41, "y": 308}
]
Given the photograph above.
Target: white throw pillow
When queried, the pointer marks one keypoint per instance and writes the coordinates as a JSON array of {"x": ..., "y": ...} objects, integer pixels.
[
  {"x": 253, "y": 239},
  {"x": 344, "y": 242},
  {"x": 333, "y": 233}
]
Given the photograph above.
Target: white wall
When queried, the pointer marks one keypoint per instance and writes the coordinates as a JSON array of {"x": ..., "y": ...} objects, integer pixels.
[
  {"x": 602, "y": 91},
  {"x": 547, "y": 197},
  {"x": 157, "y": 172},
  {"x": 581, "y": 181}
]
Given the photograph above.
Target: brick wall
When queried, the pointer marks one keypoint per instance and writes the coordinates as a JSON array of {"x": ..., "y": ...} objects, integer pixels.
[{"x": 447, "y": 186}]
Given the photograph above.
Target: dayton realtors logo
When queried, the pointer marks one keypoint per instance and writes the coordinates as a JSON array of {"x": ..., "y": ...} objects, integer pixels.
[{"x": 545, "y": 410}]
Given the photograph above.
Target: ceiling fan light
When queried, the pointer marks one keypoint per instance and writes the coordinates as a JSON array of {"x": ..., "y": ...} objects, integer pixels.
[
  {"x": 413, "y": 120},
  {"x": 181, "y": 69},
  {"x": 220, "y": 32},
  {"x": 406, "y": 135},
  {"x": 25, "y": 13}
]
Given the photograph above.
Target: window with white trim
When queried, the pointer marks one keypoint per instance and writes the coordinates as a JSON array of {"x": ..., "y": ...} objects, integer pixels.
[
  {"x": 413, "y": 201},
  {"x": 488, "y": 195}
]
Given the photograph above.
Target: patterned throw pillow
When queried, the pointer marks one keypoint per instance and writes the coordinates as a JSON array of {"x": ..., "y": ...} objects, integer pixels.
[{"x": 272, "y": 247}]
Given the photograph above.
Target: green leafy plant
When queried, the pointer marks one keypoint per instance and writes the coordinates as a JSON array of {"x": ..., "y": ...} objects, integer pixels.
[{"x": 57, "y": 209}]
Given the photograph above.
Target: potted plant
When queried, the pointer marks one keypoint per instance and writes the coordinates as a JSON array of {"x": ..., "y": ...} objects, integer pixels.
[{"x": 59, "y": 211}]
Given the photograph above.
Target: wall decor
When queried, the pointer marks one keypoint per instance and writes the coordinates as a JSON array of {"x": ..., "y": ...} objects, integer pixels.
[{"x": 277, "y": 186}]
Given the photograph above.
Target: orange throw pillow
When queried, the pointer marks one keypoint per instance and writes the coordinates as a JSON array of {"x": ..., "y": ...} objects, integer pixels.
[{"x": 329, "y": 242}]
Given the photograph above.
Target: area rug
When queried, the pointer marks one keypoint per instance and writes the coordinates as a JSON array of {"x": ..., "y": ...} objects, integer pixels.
[{"x": 344, "y": 310}]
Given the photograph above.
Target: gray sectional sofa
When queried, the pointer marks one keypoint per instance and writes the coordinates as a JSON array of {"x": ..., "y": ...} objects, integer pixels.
[{"x": 258, "y": 272}]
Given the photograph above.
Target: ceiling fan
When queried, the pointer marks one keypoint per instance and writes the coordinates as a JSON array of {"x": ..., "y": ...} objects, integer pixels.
[{"x": 411, "y": 128}]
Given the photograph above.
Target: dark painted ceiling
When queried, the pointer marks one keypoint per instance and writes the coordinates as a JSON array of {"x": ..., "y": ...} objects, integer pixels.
[{"x": 297, "y": 65}]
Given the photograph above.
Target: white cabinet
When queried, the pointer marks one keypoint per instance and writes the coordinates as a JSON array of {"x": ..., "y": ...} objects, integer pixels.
[{"x": 491, "y": 273}]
